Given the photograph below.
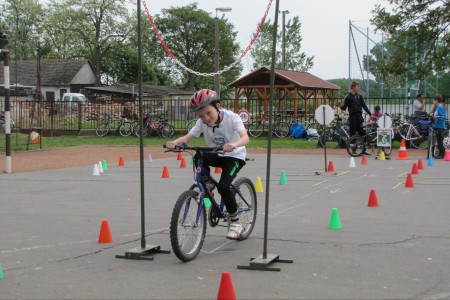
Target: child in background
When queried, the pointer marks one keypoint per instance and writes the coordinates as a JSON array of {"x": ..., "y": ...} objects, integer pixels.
[
  {"x": 376, "y": 115},
  {"x": 439, "y": 117}
]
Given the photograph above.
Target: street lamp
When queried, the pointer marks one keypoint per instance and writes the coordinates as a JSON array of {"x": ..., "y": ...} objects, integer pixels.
[
  {"x": 216, "y": 48},
  {"x": 284, "y": 12}
]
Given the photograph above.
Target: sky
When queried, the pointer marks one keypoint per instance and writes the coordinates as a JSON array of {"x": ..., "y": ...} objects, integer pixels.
[{"x": 325, "y": 26}]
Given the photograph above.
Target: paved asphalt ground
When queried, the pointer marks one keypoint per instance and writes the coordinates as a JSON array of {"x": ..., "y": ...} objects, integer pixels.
[{"x": 50, "y": 222}]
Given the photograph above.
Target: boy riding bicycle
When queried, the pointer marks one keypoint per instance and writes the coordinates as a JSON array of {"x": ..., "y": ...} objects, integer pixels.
[{"x": 221, "y": 128}]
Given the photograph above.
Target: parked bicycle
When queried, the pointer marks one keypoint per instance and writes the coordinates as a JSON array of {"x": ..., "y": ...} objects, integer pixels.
[
  {"x": 280, "y": 128},
  {"x": 336, "y": 134},
  {"x": 188, "y": 222},
  {"x": 159, "y": 126},
  {"x": 410, "y": 131},
  {"x": 122, "y": 126},
  {"x": 357, "y": 144}
]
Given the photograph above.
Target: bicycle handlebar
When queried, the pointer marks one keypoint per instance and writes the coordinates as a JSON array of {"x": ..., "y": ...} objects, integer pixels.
[{"x": 195, "y": 148}]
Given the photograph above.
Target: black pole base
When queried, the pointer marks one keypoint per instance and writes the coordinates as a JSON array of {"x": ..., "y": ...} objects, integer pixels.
[
  {"x": 139, "y": 253},
  {"x": 262, "y": 264}
]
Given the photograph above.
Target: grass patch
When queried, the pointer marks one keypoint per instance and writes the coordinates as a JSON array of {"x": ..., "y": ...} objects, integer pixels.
[{"x": 19, "y": 142}]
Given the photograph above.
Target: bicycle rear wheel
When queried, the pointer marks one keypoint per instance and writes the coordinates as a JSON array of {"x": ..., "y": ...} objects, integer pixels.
[
  {"x": 281, "y": 129},
  {"x": 102, "y": 129},
  {"x": 187, "y": 235},
  {"x": 126, "y": 129},
  {"x": 247, "y": 210},
  {"x": 255, "y": 129},
  {"x": 418, "y": 140},
  {"x": 166, "y": 131},
  {"x": 138, "y": 131},
  {"x": 355, "y": 145}
]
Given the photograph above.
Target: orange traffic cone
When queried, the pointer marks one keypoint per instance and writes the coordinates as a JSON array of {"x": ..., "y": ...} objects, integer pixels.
[
  {"x": 105, "y": 234},
  {"x": 35, "y": 137},
  {"x": 165, "y": 173},
  {"x": 179, "y": 157},
  {"x": 420, "y": 164},
  {"x": 364, "y": 160},
  {"x": 218, "y": 170},
  {"x": 415, "y": 170},
  {"x": 330, "y": 166},
  {"x": 373, "y": 200},
  {"x": 447, "y": 155},
  {"x": 402, "y": 154},
  {"x": 226, "y": 290},
  {"x": 409, "y": 181},
  {"x": 121, "y": 162},
  {"x": 183, "y": 163}
]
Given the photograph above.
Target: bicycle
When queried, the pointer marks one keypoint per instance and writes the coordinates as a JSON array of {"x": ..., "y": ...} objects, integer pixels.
[
  {"x": 337, "y": 132},
  {"x": 160, "y": 126},
  {"x": 280, "y": 129},
  {"x": 124, "y": 127},
  {"x": 190, "y": 124},
  {"x": 188, "y": 221},
  {"x": 357, "y": 144},
  {"x": 409, "y": 132}
]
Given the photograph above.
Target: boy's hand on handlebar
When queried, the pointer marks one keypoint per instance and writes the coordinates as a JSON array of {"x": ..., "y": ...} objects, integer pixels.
[
  {"x": 229, "y": 147},
  {"x": 171, "y": 145}
]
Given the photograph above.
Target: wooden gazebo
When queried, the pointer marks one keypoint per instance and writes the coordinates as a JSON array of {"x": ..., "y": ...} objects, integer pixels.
[{"x": 299, "y": 86}]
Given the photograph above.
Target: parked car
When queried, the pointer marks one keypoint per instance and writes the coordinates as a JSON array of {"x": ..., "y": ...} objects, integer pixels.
[{"x": 74, "y": 98}]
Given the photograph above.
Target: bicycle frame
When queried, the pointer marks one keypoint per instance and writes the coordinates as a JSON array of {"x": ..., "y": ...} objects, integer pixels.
[{"x": 199, "y": 182}]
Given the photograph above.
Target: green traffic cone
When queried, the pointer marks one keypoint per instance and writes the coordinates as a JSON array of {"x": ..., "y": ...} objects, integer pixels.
[
  {"x": 335, "y": 221},
  {"x": 283, "y": 178},
  {"x": 104, "y": 165},
  {"x": 1, "y": 272}
]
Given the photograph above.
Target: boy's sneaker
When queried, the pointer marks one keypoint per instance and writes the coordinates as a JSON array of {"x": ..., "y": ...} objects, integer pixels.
[
  {"x": 439, "y": 157},
  {"x": 235, "y": 231},
  {"x": 365, "y": 153}
]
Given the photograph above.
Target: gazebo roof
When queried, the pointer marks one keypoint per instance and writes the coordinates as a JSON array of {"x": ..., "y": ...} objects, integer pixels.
[{"x": 291, "y": 79}]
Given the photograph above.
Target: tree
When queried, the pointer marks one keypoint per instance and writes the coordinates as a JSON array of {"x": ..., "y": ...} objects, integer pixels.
[
  {"x": 418, "y": 35},
  {"x": 23, "y": 26},
  {"x": 295, "y": 59},
  {"x": 189, "y": 34},
  {"x": 93, "y": 28}
]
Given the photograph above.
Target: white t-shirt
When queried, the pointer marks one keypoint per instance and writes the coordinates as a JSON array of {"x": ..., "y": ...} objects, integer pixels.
[{"x": 226, "y": 132}]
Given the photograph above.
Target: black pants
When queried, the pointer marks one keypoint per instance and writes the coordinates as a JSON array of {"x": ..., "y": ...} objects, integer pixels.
[
  {"x": 355, "y": 121},
  {"x": 230, "y": 168},
  {"x": 440, "y": 140}
]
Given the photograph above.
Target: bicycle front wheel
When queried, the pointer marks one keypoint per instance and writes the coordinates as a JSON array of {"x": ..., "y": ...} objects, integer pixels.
[
  {"x": 166, "y": 131},
  {"x": 355, "y": 145},
  {"x": 281, "y": 129},
  {"x": 126, "y": 129},
  {"x": 247, "y": 208},
  {"x": 186, "y": 233},
  {"x": 102, "y": 129},
  {"x": 255, "y": 129}
]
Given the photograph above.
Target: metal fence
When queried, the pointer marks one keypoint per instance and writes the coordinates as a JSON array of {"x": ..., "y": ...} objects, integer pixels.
[{"x": 75, "y": 117}]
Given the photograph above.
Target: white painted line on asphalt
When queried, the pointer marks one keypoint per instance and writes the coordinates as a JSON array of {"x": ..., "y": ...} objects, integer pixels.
[
  {"x": 403, "y": 174},
  {"x": 217, "y": 248},
  {"x": 342, "y": 173},
  {"x": 319, "y": 183},
  {"x": 397, "y": 185}
]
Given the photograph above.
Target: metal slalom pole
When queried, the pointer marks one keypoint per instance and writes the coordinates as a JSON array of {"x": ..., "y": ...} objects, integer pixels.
[
  {"x": 263, "y": 261},
  {"x": 144, "y": 251}
]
